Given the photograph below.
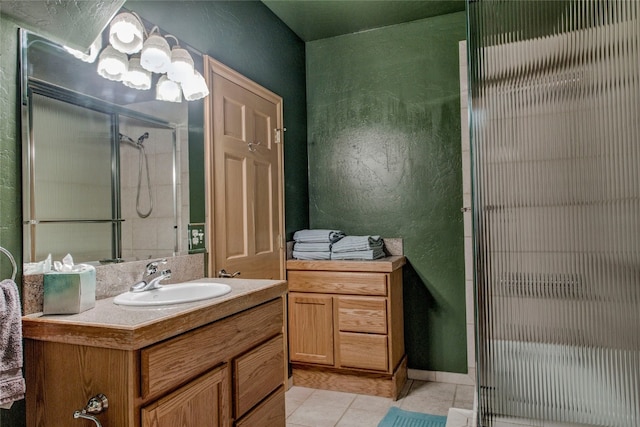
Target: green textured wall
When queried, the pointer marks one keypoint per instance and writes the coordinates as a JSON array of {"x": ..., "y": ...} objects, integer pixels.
[
  {"x": 384, "y": 150},
  {"x": 248, "y": 37},
  {"x": 10, "y": 173}
]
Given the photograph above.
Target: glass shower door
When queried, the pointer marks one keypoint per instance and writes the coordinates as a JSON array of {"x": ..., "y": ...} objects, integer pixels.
[
  {"x": 555, "y": 100},
  {"x": 70, "y": 210}
]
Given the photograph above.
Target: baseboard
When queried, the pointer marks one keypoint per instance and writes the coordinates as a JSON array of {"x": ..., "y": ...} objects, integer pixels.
[{"x": 443, "y": 377}]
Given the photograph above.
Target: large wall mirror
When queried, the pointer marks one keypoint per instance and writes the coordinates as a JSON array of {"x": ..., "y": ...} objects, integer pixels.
[{"x": 105, "y": 172}]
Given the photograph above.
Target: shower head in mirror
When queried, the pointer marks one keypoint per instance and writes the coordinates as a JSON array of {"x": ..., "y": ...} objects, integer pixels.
[{"x": 143, "y": 137}]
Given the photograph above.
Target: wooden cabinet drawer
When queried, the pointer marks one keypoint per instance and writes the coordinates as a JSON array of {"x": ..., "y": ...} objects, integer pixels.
[
  {"x": 257, "y": 373},
  {"x": 338, "y": 282},
  {"x": 361, "y": 314},
  {"x": 270, "y": 413},
  {"x": 365, "y": 351},
  {"x": 173, "y": 362},
  {"x": 202, "y": 402}
]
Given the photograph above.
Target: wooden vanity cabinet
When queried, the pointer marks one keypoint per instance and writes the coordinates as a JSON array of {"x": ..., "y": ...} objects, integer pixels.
[
  {"x": 346, "y": 329},
  {"x": 225, "y": 373}
]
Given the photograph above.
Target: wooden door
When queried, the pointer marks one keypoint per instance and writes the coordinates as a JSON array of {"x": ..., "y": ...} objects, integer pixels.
[
  {"x": 204, "y": 402},
  {"x": 244, "y": 176},
  {"x": 311, "y": 328}
]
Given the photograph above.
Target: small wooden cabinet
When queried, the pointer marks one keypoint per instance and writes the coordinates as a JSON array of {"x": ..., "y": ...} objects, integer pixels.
[
  {"x": 346, "y": 328},
  {"x": 228, "y": 372}
]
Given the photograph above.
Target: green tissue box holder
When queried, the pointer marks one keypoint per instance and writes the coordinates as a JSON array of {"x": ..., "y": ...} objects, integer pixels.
[{"x": 70, "y": 292}]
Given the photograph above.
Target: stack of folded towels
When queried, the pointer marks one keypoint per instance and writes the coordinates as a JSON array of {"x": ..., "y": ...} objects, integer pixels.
[
  {"x": 358, "y": 247},
  {"x": 333, "y": 244},
  {"x": 315, "y": 244}
]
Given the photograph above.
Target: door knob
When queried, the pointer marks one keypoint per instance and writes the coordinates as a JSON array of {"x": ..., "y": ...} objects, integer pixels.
[
  {"x": 223, "y": 274},
  {"x": 253, "y": 145}
]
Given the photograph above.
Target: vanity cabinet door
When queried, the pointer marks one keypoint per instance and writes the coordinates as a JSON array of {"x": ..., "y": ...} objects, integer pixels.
[
  {"x": 270, "y": 413},
  {"x": 257, "y": 373},
  {"x": 311, "y": 328},
  {"x": 204, "y": 402}
]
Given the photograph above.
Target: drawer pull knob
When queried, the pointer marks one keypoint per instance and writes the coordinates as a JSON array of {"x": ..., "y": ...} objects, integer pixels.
[{"x": 96, "y": 405}]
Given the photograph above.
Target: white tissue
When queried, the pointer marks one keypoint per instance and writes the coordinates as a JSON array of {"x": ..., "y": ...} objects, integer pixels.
[
  {"x": 67, "y": 266},
  {"x": 38, "y": 267}
]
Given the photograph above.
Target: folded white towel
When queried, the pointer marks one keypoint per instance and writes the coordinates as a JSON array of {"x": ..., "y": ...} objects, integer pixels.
[
  {"x": 359, "y": 255},
  {"x": 12, "y": 386},
  {"x": 357, "y": 243},
  {"x": 312, "y": 247},
  {"x": 312, "y": 255},
  {"x": 317, "y": 236}
]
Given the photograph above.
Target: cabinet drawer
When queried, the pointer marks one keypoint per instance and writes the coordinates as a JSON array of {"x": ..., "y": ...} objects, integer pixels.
[
  {"x": 361, "y": 314},
  {"x": 202, "y": 402},
  {"x": 363, "y": 351},
  {"x": 338, "y": 282},
  {"x": 177, "y": 360},
  {"x": 270, "y": 413},
  {"x": 257, "y": 374}
]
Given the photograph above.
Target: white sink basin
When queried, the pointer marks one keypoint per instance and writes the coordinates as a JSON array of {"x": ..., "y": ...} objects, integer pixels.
[{"x": 173, "y": 294}]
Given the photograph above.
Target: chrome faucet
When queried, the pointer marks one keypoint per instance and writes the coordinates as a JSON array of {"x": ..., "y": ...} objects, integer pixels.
[{"x": 147, "y": 285}]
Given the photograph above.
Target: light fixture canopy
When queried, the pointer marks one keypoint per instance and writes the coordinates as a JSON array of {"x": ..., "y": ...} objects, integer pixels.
[
  {"x": 181, "y": 68},
  {"x": 195, "y": 87},
  {"x": 89, "y": 56},
  {"x": 126, "y": 33},
  {"x": 112, "y": 65},
  {"x": 156, "y": 54},
  {"x": 137, "y": 77},
  {"x": 168, "y": 90}
]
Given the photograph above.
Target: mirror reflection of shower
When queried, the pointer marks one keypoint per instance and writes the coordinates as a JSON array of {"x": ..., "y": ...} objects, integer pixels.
[{"x": 143, "y": 164}]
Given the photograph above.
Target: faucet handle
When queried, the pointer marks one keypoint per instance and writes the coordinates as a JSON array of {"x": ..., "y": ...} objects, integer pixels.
[{"x": 152, "y": 267}]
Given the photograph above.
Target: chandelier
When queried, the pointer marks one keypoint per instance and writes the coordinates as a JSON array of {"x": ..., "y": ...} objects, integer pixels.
[{"x": 133, "y": 55}]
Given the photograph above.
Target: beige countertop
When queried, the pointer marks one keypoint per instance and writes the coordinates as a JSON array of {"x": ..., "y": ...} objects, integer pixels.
[{"x": 131, "y": 328}]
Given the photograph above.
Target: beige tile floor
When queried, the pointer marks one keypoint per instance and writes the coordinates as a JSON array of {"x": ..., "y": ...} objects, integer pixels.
[{"x": 307, "y": 407}]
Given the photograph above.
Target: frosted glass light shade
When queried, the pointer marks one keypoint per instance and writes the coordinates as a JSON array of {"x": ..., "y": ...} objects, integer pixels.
[
  {"x": 156, "y": 55},
  {"x": 136, "y": 76},
  {"x": 181, "y": 67},
  {"x": 168, "y": 90},
  {"x": 195, "y": 87},
  {"x": 126, "y": 33},
  {"x": 112, "y": 65}
]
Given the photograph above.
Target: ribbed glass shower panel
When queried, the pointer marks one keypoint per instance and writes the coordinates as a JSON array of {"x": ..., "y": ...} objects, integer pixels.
[
  {"x": 70, "y": 187},
  {"x": 555, "y": 135}
]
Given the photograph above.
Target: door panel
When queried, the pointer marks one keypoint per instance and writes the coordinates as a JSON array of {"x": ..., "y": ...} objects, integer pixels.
[
  {"x": 244, "y": 177},
  {"x": 263, "y": 126},
  {"x": 234, "y": 119},
  {"x": 234, "y": 229},
  {"x": 264, "y": 238}
]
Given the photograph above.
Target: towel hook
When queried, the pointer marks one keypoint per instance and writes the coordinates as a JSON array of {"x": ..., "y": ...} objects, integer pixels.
[{"x": 13, "y": 262}]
